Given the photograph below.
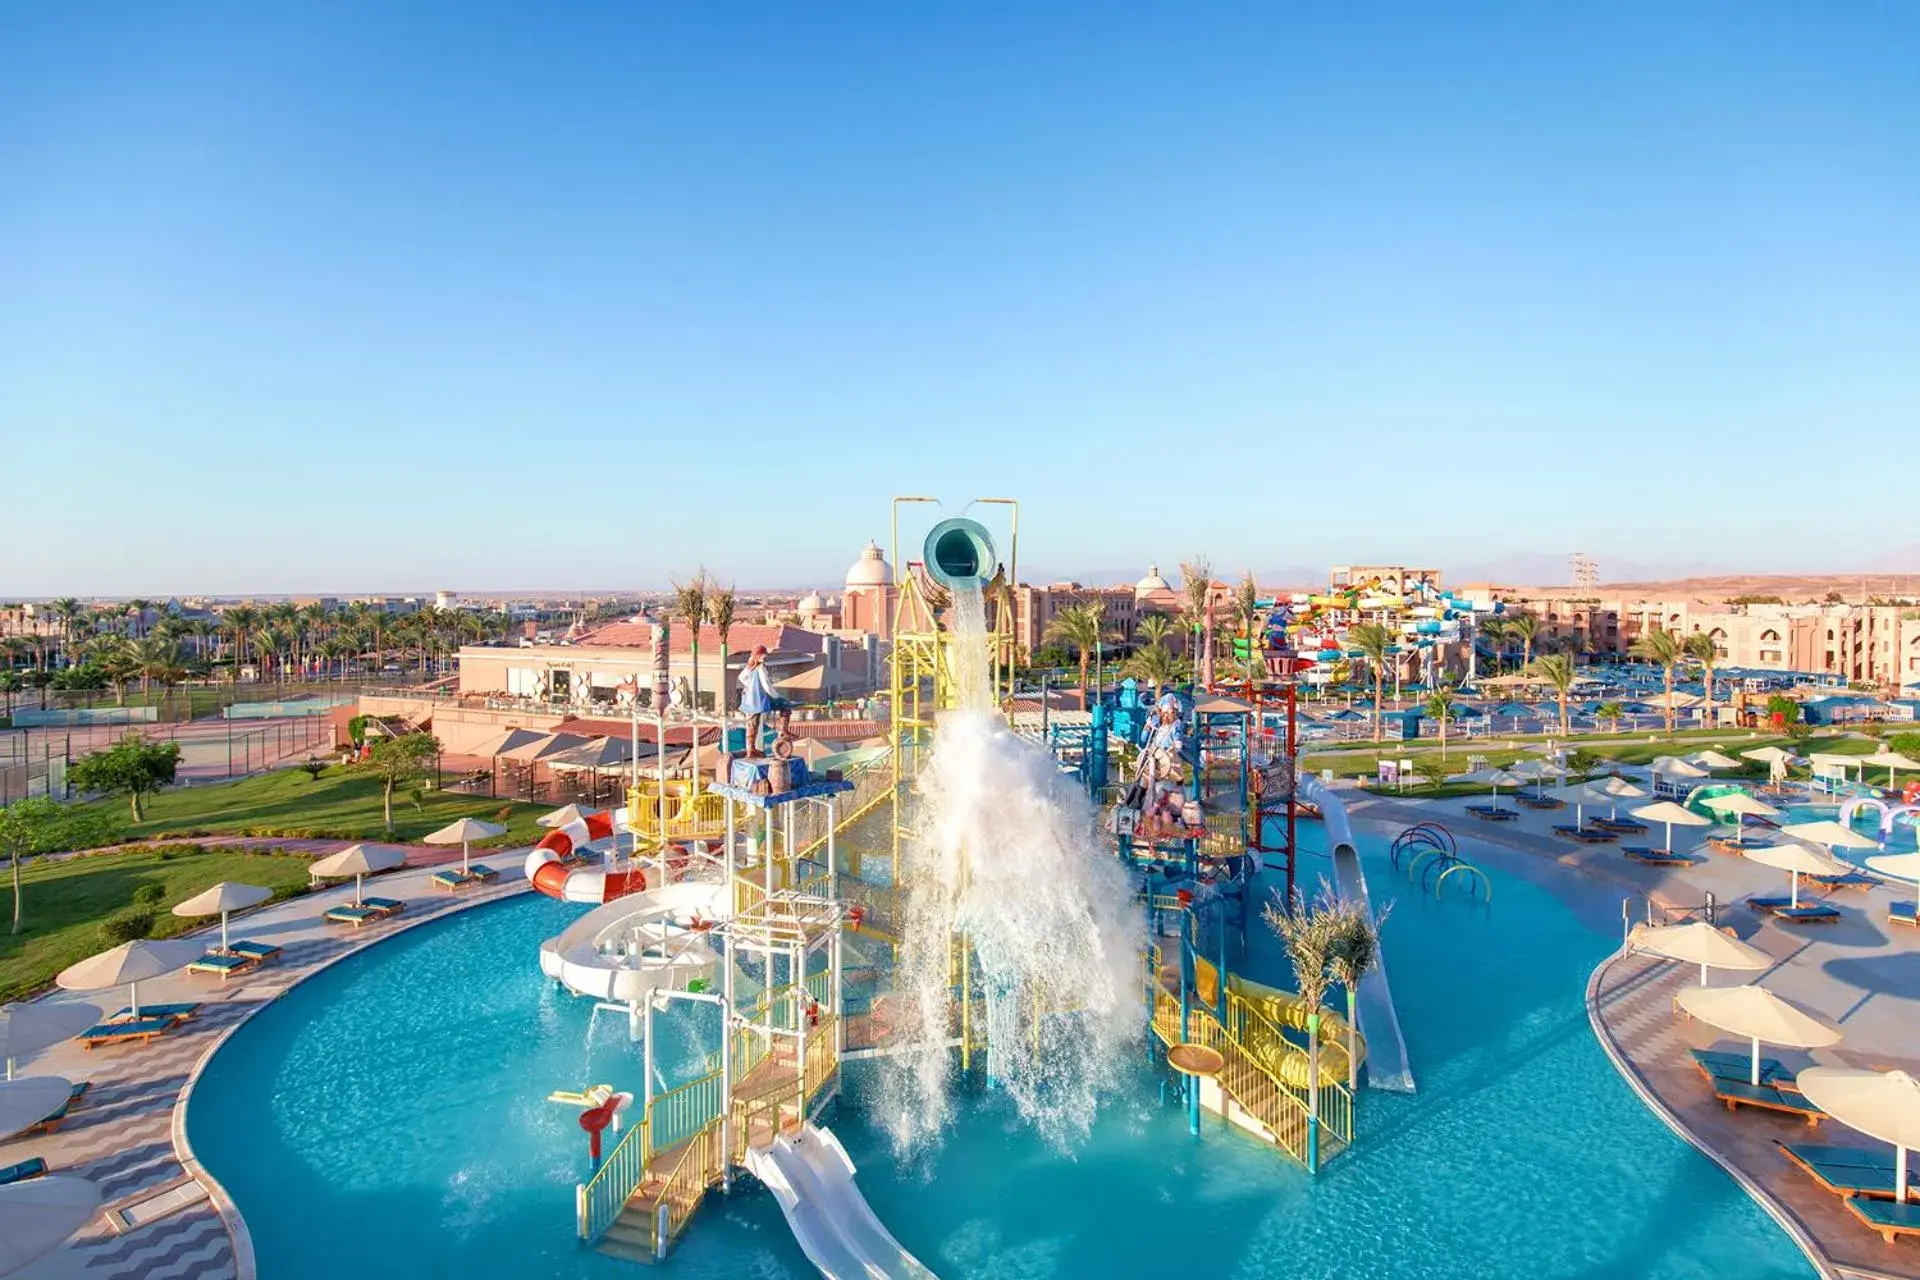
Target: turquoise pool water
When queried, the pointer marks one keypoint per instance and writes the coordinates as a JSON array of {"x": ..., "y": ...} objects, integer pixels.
[
  {"x": 1904, "y": 837},
  {"x": 386, "y": 1118}
]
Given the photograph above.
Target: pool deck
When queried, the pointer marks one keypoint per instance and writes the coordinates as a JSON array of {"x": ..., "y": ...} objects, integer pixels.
[
  {"x": 128, "y": 1135},
  {"x": 1862, "y": 971}
]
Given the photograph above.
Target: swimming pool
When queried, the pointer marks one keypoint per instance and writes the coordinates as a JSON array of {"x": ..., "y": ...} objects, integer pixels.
[{"x": 388, "y": 1115}]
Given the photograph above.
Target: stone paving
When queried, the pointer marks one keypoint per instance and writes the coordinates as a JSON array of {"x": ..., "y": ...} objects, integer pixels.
[
  {"x": 127, "y": 1135},
  {"x": 1862, "y": 972}
]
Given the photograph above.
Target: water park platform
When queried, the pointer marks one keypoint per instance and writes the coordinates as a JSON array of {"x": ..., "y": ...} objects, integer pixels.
[{"x": 164, "y": 1214}]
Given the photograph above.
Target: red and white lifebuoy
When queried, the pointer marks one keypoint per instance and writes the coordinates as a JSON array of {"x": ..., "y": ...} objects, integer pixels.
[{"x": 547, "y": 870}]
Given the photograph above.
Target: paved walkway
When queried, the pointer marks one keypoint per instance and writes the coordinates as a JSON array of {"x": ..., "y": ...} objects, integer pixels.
[
  {"x": 1862, "y": 972},
  {"x": 128, "y": 1136}
]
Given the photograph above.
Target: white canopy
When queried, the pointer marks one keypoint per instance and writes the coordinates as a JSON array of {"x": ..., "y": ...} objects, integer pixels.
[
  {"x": 29, "y": 1028},
  {"x": 1488, "y": 778},
  {"x": 464, "y": 830},
  {"x": 1674, "y": 767},
  {"x": 1767, "y": 755},
  {"x": 1698, "y": 942},
  {"x": 1880, "y": 1104},
  {"x": 227, "y": 896},
  {"x": 132, "y": 963},
  {"x": 562, "y": 816},
  {"x": 1799, "y": 860},
  {"x": 29, "y": 1100},
  {"x": 1756, "y": 1014},
  {"x": 1829, "y": 832},
  {"x": 1890, "y": 760},
  {"x": 1614, "y": 787},
  {"x": 1740, "y": 804},
  {"x": 1711, "y": 759},
  {"x": 39, "y": 1215},
  {"x": 504, "y": 741}
]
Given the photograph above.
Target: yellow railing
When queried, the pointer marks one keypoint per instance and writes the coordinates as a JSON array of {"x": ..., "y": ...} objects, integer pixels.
[
  {"x": 679, "y": 1113},
  {"x": 699, "y": 1165},
  {"x": 599, "y": 1200},
  {"x": 822, "y": 1062}
]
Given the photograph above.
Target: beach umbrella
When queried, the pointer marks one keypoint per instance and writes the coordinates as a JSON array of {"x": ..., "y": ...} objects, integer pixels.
[
  {"x": 1774, "y": 758},
  {"x": 226, "y": 896},
  {"x": 1495, "y": 778},
  {"x": 29, "y": 1028},
  {"x": 1830, "y": 833},
  {"x": 1900, "y": 866},
  {"x": 1674, "y": 815},
  {"x": 1579, "y": 795},
  {"x": 1698, "y": 942},
  {"x": 358, "y": 861},
  {"x": 1738, "y": 805},
  {"x": 1756, "y": 1014},
  {"x": 29, "y": 1100},
  {"x": 41, "y": 1214},
  {"x": 1880, "y": 1104},
  {"x": 132, "y": 963},
  {"x": 1674, "y": 767},
  {"x": 1798, "y": 860},
  {"x": 1891, "y": 760},
  {"x": 504, "y": 741},
  {"x": 561, "y": 817},
  {"x": 1711, "y": 759},
  {"x": 462, "y": 833},
  {"x": 1615, "y": 789}
]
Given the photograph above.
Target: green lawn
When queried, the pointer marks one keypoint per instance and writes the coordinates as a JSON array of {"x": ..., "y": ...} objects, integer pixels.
[
  {"x": 66, "y": 901},
  {"x": 342, "y": 804}
]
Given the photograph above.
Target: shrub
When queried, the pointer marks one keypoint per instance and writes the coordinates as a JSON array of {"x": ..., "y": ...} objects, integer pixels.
[
  {"x": 150, "y": 894},
  {"x": 168, "y": 855},
  {"x": 135, "y": 922}
]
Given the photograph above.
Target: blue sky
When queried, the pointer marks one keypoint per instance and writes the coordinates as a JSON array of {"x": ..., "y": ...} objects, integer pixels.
[{"x": 394, "y": 296}]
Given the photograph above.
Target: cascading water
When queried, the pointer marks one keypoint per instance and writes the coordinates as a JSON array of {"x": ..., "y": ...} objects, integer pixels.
[{"x": 1007, "y": 861}]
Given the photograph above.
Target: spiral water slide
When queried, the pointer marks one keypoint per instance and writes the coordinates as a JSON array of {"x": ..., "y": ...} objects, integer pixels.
[
  {"x": 549, "y": 872},
  {"x": 1387, "y": 1066}
]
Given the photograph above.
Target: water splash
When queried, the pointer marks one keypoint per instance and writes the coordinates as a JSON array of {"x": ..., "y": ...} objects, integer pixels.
[{"x": 1007, "y": 853}]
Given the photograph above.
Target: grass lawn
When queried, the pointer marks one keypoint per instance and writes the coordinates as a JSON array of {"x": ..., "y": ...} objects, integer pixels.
[
  {"x": 66, "y": 901},
  {"x": 341, "y": 804}
]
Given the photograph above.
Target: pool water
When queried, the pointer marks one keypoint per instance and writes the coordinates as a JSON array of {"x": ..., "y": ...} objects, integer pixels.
[
  {"x": 387, "y": 1116},
  {"x": 1904, "y": 837}
]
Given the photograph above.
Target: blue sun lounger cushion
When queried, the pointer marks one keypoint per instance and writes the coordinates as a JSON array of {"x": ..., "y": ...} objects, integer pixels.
[
  {"x": 452, "y": 878},
  {"x": 32, "y": 1167},
  {"x": 1887, "y": 1217},
  {"x": 480, "y": 871},
  {"x": 254, "y": 950},
  {"x": 1904, "y": 911},
  {"x": 134, "y": 1029},
  {"x": 353, "y": 915},
  {"x": 1769, "y": 904},
  {"x": 1805, "y": 914},
  {"x": 1738, "y": 1093},
  {"x": 74, "y": 1095},
  {"x": 1836, "y": 1156},
  {"x": 181, "y": 1011},
  {"x": 1738, "y": 1066},
  {"x": 214, "y": 962},
  {"x": 385, "y": 906}
]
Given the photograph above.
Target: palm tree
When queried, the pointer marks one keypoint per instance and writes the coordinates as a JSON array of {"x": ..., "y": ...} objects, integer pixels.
[
  {"x": 137, "y": 612},
  {"x": 67, "y": 611},
  {"x": 721, "y": 606},
  {"x": 1439, "y": 708},
  {"x": 1701, "y": 648},
  {"x": 1154, "y": 630},
  {"x": 690, "y": 603},
  {"x": 1665, "y": 648},
  {"x": 115, "y": 657},
  {"x": 1246, "y": 611},
  {"x": 1611, "y": 713},
  {"x": 1079, "y": 626},
  {"x": 1155, "y": 666},
  {"x": 1494, "y": 632},
  {"x": 1196, "y": 579},
  {"x": 1558, "y": 671},
  {"x": 1375, "y": 641},
  {"x": 1310, "y": 938},
  {"x": 1523, "y": 627},
  {"x": 1354, "y": 954},
  {"x": 239, "y": 622}
]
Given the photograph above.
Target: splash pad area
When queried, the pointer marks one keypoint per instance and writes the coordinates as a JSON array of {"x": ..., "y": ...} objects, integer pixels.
[{"x": 951, "y": 983}]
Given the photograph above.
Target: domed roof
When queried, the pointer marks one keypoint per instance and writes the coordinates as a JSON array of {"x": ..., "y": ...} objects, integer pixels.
[
  {"x": 1152, "y": 582},
  {"x": 870, "y": 570},
  {"x": 810, "y": 603}
]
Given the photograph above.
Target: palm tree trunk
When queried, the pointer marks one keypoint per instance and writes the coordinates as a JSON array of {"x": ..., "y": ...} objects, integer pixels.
[
  {"x": 1379, "y": 699},
  {"x": 1086, "y": 703},
  {"x": 1669, "y": 682}
]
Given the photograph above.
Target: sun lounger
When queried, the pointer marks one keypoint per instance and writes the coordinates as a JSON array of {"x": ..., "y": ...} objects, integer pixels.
[
  {"x": 355, "y": 916},
  {"x": 1732, "y": 844},
  {"x": 481, "y": 871},
  {"x": 1541, "y": 802},
  {"x": 1738, "y": 1093},
  {"x": 1658, "y": 857},
  {"x": 224, "y": 965},
  {"x": 1738, "y": 1066},
  {"x": 1891, "y": 1220},
  {"x": 1849, "y": 880},
  {"x": 1846, "y": 1171},
  {"x": 1489, "y": 813},
  {"x": 261, "y": 951},
  {"x": 385, "y": 906},
  {"x": 126, "y": 1032},
  {"x": 52, "y": 1122},
  {"x": 454, "y": 878},
  {"x": 1620, "y": 826},
  {"x": 1585, "y": 835},
  {"x": 1807, "y": 913},
  {"x": 1904, "y": 912},
  {"x": 180, "y": 1012},
  {"x": 32, "y": 1167},
  {"x": 1767, "y": 906}
]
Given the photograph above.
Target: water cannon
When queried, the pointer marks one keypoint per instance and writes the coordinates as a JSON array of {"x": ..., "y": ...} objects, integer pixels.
[{"x": 959, "y": 555}]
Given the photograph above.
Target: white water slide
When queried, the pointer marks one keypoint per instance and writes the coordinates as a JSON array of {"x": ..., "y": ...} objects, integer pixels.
[
  {"x": 811, "y": 1176},
  {"x": 635, "y": 945}
]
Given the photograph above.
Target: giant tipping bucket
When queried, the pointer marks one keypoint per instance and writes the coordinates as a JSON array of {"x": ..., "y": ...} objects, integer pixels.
[{"x": 959, "y": 554}]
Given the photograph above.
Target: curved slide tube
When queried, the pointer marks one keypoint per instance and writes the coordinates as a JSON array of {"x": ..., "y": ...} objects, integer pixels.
[
  {"x": 638, "y": 944},
  {"x": 812, "y": 1178},
  {"x": 1387, "y": 1066},
  {"x": 547, "y": 870}
]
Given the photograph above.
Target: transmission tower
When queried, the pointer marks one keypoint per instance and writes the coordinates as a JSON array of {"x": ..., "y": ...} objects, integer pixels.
[{"x": 1586, "y": 574}]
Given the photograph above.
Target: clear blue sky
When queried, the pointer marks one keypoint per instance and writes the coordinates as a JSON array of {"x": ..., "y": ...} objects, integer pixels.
[{"x": 395, "y": 296}]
